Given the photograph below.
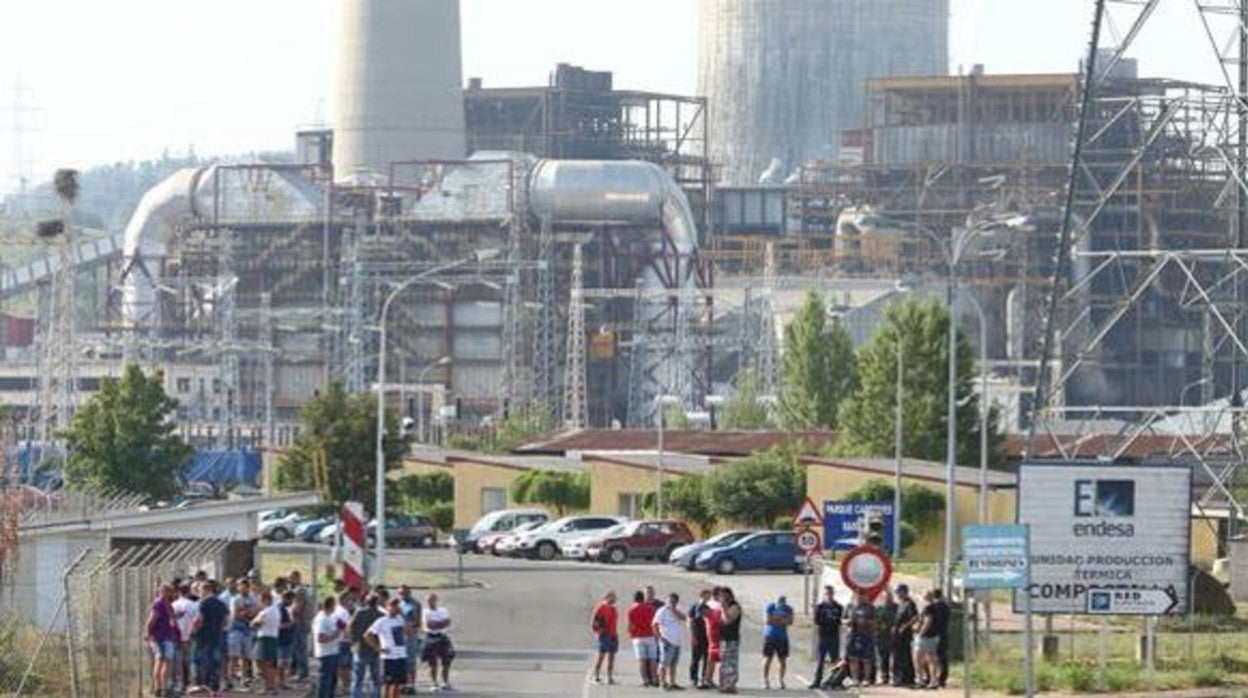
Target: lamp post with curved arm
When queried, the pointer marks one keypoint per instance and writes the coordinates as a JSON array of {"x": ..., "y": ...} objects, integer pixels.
[{"x": 379, "y": 567}]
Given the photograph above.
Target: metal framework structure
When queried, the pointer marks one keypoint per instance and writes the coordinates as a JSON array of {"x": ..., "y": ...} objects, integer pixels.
[
  {"x": 58, "y": 383},
  {"x": 574, "y": 407},
  {"x": 1149, "y": 281}
]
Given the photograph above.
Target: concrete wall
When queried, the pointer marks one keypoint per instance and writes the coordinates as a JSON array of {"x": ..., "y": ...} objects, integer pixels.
[
  {"x": 609, "y": 480},
  {"x": 471, "y": 477},
  {"x": 826, "y": 482}
]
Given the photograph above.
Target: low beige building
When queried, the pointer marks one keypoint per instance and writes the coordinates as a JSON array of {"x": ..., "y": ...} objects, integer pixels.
[{"x": 620, "y": 483}]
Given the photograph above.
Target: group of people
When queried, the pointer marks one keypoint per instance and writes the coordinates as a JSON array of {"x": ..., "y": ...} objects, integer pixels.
[
  {"x": 240, "y": 633},
  {"x": 710, "y": 629},
  {"x": 381, "y": 638},
  {"x": 880, "y": 639},
  {"x": 247, "y": 635}
]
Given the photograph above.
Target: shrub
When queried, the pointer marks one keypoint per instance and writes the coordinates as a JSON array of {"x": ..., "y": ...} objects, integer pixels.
[
  {"x": 1077, "y": 677},
  {"x": 443, "y": 514},
  {"x": 1207, "y": 675}
]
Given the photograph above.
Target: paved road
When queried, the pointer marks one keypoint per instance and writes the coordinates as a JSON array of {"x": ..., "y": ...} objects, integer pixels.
[{"x": 524, "y": 631}]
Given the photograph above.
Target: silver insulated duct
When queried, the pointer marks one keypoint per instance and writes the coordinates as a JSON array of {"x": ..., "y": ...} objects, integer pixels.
[
  {"x": 784, "y": 78},
  {"x": 396, "y": 91}
]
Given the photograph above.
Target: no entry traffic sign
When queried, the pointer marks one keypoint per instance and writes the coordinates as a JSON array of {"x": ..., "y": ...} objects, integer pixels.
[{"x": 866, "y": 569}]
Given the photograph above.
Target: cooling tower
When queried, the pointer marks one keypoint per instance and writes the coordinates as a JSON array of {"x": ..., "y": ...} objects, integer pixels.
[
  {"x": 396, "y": 86},
  {"x": 785, "y": 77}
]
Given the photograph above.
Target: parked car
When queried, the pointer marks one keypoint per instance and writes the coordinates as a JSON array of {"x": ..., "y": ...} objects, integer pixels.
[
  {"x": 329, "y": 534},
  {"x": 405, "y": 530},
  {"x": 765, "y": 550},
  {"x": 500, "y": 521},
  {"x": 544, "y": 543},
  {"x": 575, "y": 548},
  {"x": 504, "y": 542},
  {"x": 652, "y": 539},
  {"x": 685, "y": 555},
  {"x": 308, "y": 530},
  {"x": 280, "y": 528}
]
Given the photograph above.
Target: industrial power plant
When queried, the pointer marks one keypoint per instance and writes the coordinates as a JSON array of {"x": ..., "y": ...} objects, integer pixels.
[{"x": 589, "y": 251}]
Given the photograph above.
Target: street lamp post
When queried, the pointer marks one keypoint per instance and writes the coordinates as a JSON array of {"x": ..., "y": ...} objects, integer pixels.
[
  {"x": 897, "y": 450},
  {"x": 661, "y": 402},
  {"x": 958, "y": 240},
  {"x": 379, "y": 568},
  {"x": 983, "y": 407},
  {"x": 951, "y": 427}
]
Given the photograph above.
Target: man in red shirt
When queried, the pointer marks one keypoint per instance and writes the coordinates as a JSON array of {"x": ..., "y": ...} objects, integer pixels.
[
  {"x": 603, "y": 624},
  {"x": 641, "y": 630}
]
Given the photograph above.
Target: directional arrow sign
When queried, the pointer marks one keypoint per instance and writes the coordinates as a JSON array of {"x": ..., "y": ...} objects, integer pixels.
[
  {"x": 1132, "y": 602},
  {"x": 996, "y": 557}
]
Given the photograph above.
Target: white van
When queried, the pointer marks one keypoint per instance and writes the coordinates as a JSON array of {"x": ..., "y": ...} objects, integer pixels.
[{"x": 499, "y": 521}]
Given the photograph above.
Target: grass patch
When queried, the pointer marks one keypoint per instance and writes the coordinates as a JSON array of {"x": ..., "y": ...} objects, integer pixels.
[
  {"x": 1206, "y": 675},
  {"x": 1076, "y": 677},
  {"x": 1002, "y": 672},
  {"x": 926, "y": 570}
]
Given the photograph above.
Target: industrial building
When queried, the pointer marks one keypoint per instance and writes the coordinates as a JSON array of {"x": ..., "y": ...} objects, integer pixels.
[
  {"x": 586, "y": 249},
  {"x": 784, "y": 79}
]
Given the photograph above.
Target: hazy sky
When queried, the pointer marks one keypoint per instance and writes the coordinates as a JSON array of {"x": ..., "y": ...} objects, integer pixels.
[{"x": 108, "y": 80}]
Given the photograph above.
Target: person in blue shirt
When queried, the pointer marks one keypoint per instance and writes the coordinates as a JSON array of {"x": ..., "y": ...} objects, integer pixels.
[{"x": 776, "y": 638}]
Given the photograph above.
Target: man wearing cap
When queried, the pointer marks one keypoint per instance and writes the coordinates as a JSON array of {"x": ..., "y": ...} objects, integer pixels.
[
  {"x": 776, "y": 638},
  {"x": 903, "y": 637}
]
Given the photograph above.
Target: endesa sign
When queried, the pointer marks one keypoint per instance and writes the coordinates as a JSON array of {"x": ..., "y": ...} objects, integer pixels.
[{"x": 1097, "y": 527}]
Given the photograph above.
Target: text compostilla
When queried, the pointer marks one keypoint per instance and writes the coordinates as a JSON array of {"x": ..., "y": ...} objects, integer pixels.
[{"x": 1098, "y": 527}]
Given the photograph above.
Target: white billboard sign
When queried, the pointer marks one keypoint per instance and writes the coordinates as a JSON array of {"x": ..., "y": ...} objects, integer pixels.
[{"x": 1097, "y": 527}]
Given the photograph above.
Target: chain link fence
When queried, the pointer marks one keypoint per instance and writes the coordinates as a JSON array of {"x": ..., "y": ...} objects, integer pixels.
[{"x": 108, "y": 596}]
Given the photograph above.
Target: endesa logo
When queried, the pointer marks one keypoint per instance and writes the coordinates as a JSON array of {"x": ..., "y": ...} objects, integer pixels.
[{"x": 1105, "y": 500}]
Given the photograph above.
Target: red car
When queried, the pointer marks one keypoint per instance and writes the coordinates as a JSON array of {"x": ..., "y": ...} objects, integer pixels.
[{"x": 649, "y": 539}]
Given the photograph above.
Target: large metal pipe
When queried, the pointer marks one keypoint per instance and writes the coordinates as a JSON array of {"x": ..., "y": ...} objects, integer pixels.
[
  {"x": 628, "y": 191},
  {"x": 184, "y": 195}
]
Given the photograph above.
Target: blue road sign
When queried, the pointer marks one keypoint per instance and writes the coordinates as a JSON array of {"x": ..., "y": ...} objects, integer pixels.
[
  {"x": 840, "y": 523},
  {"x": 995, "y": 557}
]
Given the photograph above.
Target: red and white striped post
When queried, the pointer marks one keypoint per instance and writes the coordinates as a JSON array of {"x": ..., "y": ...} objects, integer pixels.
[{"x": 353, "y": 544}]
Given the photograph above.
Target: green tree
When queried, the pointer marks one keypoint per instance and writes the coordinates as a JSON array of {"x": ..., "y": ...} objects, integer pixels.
[
  {"x": 745, "y": 410},
  {"x": 758, "y": 489},
  {"x": 817, "y": 370},
  {"x": 123, "y": 437},
  {"x": 342, "y": 427},
  {"x": 560, "y": 489},
  {"x": 867, "y": 416},
  {"x": 426, "y": 488},
  {"x": 685, "y": 498}
]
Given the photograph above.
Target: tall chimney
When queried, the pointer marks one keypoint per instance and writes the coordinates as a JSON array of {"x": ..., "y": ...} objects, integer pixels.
[{"x": 397, "y": 92}]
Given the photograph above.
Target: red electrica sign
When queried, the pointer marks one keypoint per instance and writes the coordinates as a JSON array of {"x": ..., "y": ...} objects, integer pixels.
[{"x": 866, "y": 569}]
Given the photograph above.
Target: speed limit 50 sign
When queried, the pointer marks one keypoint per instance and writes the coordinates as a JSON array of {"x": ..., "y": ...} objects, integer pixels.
[{"x": 808, "y": 541}]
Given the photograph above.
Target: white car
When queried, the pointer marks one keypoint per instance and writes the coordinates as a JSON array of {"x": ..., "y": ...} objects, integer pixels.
[
  {"x": 506, "y": 544},
  {"x": 280, "y": 528},
  {"x": 575, "y": 548},
  {"x": 329, "y": 534},
  {"x": 546, "y": 542}
]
